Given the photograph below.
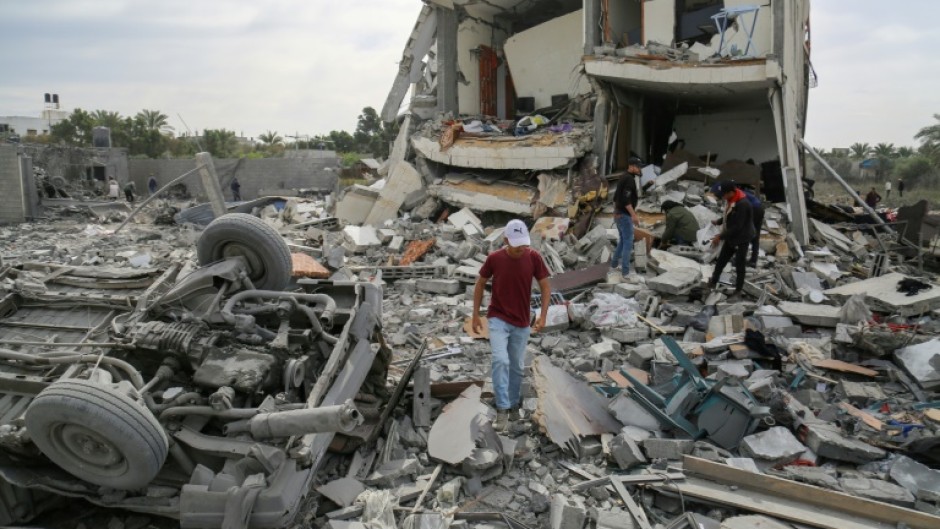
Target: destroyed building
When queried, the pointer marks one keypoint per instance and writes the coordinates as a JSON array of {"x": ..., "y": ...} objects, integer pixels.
[{"x": 711, "y": 84}]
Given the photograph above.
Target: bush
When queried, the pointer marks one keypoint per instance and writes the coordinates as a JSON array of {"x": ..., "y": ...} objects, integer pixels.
[{"x": 915, "y": 170}]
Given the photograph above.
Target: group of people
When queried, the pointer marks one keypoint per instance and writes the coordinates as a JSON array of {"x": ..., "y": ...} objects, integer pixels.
[
  {"x": 872, "y": 198},
  {"x": 513, "y": 268},
  {"x": 130, "y": 188}
]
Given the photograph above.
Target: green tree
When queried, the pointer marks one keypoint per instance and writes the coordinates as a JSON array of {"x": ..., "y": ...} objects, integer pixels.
[
  {"x": 120, "y": 127},
  {"x": 271, "y": 138},
  {"x": 76, "y": 130},
  {"x": 342, "y": 141},
  {"x": 905, "y": 152},
  {"x": 884, "y": 153},
  {"x": 372, "y": 135},
  {"x": 152, "y": 119},
  {"x": 916, "y": 170},
  {"x": 929, "y": 137},
  {"x": 221, "y": 143},
  {"x": 860, "y": 150},
  {"x": 147, "y": 133}
]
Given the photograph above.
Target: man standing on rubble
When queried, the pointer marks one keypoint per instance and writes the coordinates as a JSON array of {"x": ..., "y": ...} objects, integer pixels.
[
  {"x": 236, "y": 190},
  {"x": 737, "y": 235},
  {"x": 512, "y": 269},
  {"x": 757, "y": 213},
  {"x": 625, "y": 200}
]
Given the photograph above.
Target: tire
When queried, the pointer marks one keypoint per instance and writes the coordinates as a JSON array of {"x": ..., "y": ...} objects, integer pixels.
[
  {"x": 243, "y": 235},
  {"x": 97, "y": 434},
  {"x": 58, "y": 181}
]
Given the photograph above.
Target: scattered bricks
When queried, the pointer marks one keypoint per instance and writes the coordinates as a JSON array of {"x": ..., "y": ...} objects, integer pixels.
[
  {"x": 678, "y": 281},
  {"x": 861, "y": 393},
  {"x": 467, "y": 274},
  {"x": 776, "y": 446},
  {"x": 641, "y": 357},
  {"x": 878, "y": 490},
  {"x": 415, "y": 251},
  {"x": 614, "y": 520},
  {"x": 420, "y": 314},
  {"x": 305, "y": 266},
  {"x": 627, "y": 334},
  {"x": 826, "y": 441},
  {"x": 447, "y": 287},
  {"x": 808, "y": 314},
  {"x": 396, "y": 243},
  {"x": 640, "y": 259},
  {"x": 667, "y": 448},
  {"x": 565, "y": 515},
  {"x": 625, "y": 452},
  {"x": 604, "y": 349}
]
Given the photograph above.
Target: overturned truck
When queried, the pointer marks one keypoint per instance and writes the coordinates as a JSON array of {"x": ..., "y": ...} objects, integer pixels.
[{"x": 206, "y": 394}]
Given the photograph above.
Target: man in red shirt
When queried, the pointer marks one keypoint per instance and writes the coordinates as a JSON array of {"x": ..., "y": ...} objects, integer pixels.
[{"x": 512, "y": 269}]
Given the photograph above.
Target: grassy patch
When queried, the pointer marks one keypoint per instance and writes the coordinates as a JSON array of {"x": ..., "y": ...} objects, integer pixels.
[{"x": 831, "y": 192}]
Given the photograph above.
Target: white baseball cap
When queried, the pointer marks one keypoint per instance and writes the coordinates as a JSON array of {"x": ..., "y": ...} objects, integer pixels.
[{"x": 517, "y": 234}]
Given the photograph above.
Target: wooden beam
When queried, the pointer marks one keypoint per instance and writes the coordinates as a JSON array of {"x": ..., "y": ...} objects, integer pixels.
[{"x": 796, "y": 501}]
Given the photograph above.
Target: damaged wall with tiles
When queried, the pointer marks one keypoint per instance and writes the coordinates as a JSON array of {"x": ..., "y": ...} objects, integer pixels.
[
  {"x": 471, "y": 34},
  {"x": 545, "y": 60},
  {"x": 12, "y": 199},
  {"x": 659, "y": 19},
  {"x": 732, "y": 135},
  {"x": 271, "y": 176}
]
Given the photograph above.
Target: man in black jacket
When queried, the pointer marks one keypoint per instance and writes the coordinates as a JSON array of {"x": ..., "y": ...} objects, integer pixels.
[
  {"x": 737, "y": 235},
  {"x": 625, "y": 200}
]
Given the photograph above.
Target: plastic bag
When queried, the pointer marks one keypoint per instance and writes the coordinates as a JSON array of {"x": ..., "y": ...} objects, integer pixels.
[{"x": 612, "y": 310}]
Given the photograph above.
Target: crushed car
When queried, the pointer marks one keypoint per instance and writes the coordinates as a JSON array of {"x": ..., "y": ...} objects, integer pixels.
[{"x": 209, "y": 394}]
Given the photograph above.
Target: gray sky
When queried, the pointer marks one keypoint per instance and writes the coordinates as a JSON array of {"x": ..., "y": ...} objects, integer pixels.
[{"x": 310, "y": 66}]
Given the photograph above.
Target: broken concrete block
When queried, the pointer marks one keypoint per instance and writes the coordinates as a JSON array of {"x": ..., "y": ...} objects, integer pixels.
[
  {"x": 389, "y": 473},
  {"x": 629, "y": 413},
  {"x": 565, "y": 515},
  {"x": 922, "y": 481},
  {"x": 826, "y": 441},
  {"x": 360, "y": 238},
  {"x": 343, "y": 491},
  {"x": 752, "y": 522},
  {"x": 743, "y": 463},
  {"x": 861, "y": 393},
  {"x": 447, "y": 287},
  {"x": 625, "y": 452},
  {"x": 776, "y": 445},
  {"x": 604, "y": 349},
  {"x": 667, "y": 448},
  {"x": 878, "y": 490},
  {"x": 809, "y": 314},
  {"x": 921, "y": 362},
  {"x": 627, "y": 334},
  {"x": 676, "y": 281},
  {"x": 614, "y": 520}
]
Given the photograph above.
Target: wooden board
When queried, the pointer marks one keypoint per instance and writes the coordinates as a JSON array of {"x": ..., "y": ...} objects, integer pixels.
[
  {"x": 798, "y": 502},
  {"x": 844, "y": 367},
  {"x": 866, "y": 417}
]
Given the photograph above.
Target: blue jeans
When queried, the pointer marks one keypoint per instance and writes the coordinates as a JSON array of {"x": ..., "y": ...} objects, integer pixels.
[
  {"x": 508, "y": 344},
  {"x": 625, "y": 245}
]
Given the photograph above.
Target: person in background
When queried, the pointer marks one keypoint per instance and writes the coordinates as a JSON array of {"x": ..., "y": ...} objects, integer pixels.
[
  {"x": 512, "y": 269},
  {"x": 737, "y": 234},
  {"x": 129, "y": 189},
  {"x": 152, "y": 184},
  {"x": 900, "y": 188},
  {"x": 681, "y": 225},
  {"x": 872, "y": 198},
  {"x": 625, "y": 200},
  {"x": 887, "y": 189},
  {"x": 113, "y": 189},
  {"x": 757, "y": 209},
  {"x": 236, "y": 190}
]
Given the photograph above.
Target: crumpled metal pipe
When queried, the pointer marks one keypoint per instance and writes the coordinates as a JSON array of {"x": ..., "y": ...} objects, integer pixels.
[{"x": 341, "y": 418}]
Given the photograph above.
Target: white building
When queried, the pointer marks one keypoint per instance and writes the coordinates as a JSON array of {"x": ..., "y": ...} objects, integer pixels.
[
  {"x": 26, "y": 126},
  {"x": 728, "y": 78}
]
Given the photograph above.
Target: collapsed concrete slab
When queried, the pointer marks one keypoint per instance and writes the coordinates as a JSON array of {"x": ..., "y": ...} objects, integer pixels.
[{"x": 882, "y": 295}]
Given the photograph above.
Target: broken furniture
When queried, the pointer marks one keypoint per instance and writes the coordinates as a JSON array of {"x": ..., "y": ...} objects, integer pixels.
[{"x": 698, "y": 407}]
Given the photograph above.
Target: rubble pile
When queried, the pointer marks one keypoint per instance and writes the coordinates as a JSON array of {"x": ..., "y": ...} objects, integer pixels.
[{"x": 648, "y": 401}]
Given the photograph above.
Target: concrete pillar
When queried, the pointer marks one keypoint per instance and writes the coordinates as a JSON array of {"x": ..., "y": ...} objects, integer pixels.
[
  {"x": 592, "y": 16},
  {"x": 601, "y": 112},
  {"x": 13, "y": 197},
  {"x": 210, "y": 182},
  {"x": 447, "y": 60}
]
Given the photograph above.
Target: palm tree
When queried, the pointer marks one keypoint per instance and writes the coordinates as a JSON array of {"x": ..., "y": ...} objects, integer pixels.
[
  {"x": 883, "y": 152},
  {"x": 107, "y": 118},
  {"x": 860, "y": 150},
  {"x": 930, "y": 133},
  {"x": 905, "y": 152},
  {"x": 270, "y": 138},
  {"x": 152, "y": 120},
  {"x": 221, "y": 143}
]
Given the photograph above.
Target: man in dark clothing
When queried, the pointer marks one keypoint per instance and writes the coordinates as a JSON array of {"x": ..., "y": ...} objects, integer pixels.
[
  {"x": 236, "y": 190},
  {"x": 737, "y": 234},
  {"x": 900, "y": 188},
  {"x": 512, "y": 270},
  {"x": 872, "y": 198},
  {"x": 681, "y": 225},
  {"x": 129, "y": 189},
  {"x": 152, "y": 184},
  {"x": 757, "y": 209},
  {"x": 625, "y": 200}
]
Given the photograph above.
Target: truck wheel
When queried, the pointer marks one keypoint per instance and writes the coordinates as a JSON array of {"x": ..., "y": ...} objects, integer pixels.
[
  {"x": 97, "y": 434},
  {"x": 247, "y": 236}
]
